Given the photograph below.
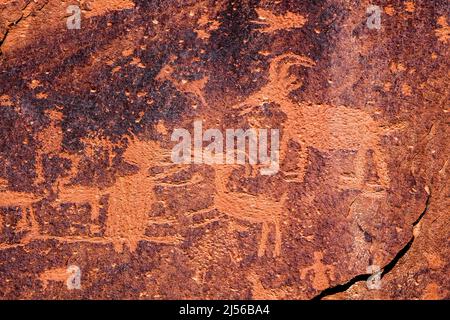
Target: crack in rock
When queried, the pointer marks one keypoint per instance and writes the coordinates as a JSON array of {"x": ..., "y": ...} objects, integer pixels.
[
  {"x": 387, "y": 268},
  {"x": 22, "y": 17}
]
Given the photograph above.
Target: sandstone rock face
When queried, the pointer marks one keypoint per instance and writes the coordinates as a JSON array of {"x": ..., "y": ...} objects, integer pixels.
[{"x": 93, "y": 207}]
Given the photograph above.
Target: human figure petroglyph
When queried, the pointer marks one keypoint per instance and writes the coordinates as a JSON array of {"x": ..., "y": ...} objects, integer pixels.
[
  {"x": 50, "y": 144},
  {"x": 128, "y": 194},
  {"x": 321, "y": 126},
  {"x": 322, "y": 274},
  {"x": 132, "y": 196},
  {"x": 131, "y": 193}
]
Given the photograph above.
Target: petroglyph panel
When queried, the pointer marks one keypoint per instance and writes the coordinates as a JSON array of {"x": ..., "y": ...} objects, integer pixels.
[{"x": 92, "y": 205}]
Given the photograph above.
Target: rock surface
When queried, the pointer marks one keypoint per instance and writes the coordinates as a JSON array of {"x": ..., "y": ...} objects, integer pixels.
[{"x": 88, "y": 188}]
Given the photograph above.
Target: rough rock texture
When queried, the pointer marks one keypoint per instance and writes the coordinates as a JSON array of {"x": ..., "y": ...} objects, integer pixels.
[{"x": 86, "y": 178}]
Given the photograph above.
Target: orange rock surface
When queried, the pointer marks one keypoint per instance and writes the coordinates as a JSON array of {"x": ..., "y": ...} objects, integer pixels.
[{"x": 87, "y": 180}]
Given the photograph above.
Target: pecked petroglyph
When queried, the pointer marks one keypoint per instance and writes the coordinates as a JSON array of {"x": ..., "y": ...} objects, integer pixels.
[
  {"x": 25, "y": 202},
  {"x": 55, "y": 275},
  {"x": 194, "y": 87},
  {"x": 69, "y": 192},
  {"x": 259, "y": 209},
  {"x": 321, "y": 274},
  {"x": 272, "y": 23},
  {"x": 50, "y": 140},
  {"x": 260, "y": 292},
  {"x": 206, "y": 26},
  {"x": 323, "y": 127},
  {"x": 132, "y": 196},
  {"x": 200, "y": 231}
]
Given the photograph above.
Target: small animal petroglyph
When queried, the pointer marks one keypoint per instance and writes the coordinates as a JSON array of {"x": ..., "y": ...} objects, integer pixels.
[
  {"x": 272, "y": 23},
  {"x": 259, "y": 209},
  {"x": 194, "y": 87}
]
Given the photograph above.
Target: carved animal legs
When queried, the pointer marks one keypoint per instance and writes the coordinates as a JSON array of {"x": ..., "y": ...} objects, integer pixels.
[{"x": 265, "y": 238}]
